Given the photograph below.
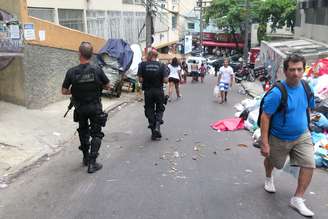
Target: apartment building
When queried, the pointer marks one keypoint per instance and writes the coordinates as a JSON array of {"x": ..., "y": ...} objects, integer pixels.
[
  {"x": 312, "y": 20},
  {"x": 112, "y": 18}
]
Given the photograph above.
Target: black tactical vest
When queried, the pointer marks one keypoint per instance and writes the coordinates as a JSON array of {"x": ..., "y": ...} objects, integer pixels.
[{"x": 86, "y": 86}]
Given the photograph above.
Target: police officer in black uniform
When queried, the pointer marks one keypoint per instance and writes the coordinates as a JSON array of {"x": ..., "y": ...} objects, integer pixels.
[
  {"x": 85, "y": 83},
  {"x": 152, "y": 74}
]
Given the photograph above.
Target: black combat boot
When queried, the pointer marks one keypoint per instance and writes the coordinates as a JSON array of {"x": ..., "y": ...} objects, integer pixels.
[
  {"x": 93, "y": 165},
  {"x": 85, "y": 152},
  {"x": 157, "y": 130}
]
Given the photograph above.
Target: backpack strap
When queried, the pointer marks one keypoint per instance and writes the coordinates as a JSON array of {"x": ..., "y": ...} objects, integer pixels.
[
  {"x": 283, "y": 100},
  {"x": 308, "y": 91},
  {"x": 309, "y": 96}
]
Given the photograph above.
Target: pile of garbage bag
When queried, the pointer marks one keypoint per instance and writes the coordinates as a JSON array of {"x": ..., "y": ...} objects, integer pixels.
[{"x": 248, "y": 109}]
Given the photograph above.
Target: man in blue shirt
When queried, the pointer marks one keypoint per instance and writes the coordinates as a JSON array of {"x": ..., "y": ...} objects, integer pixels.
[{"x": 285, "y": 133}]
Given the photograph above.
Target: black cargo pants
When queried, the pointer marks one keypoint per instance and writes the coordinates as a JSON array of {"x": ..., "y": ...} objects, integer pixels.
[
  {"x": 154, "y": 105},
  {"x": 89, "y": 126}
]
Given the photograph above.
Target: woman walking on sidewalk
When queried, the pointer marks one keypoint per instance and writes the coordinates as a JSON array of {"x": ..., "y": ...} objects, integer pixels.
[{"x": 174, "y": 78}]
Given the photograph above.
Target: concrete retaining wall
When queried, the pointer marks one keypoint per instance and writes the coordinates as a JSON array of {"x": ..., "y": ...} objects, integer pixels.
[
  {"x": 12, "y": 82},
  {"x": 45, "y": 69}
]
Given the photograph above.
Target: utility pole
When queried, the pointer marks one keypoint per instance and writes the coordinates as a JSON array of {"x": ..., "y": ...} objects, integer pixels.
[
  {"x": 246, "y": 32},
  {"x": 201, "y": 28},
  {"x": 149, "y": 24}
]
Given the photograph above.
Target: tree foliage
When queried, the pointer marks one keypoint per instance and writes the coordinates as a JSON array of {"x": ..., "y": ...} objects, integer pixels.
[{"x": 230, "y": 15}]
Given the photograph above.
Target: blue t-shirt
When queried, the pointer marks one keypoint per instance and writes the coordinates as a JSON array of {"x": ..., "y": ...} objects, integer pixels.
[{"x": 296, "y": 122}]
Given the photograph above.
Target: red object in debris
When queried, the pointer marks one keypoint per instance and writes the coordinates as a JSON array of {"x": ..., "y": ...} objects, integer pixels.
[
  {"x": 231, "y": 124},
  {"x": 319, "y": 68},
  {"x": 267, "y": 86},
  {"x": 254, "y": 52}
]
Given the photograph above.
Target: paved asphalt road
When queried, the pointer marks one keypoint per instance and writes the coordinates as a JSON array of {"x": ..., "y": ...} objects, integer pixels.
[{"x": 193, "y": 173}]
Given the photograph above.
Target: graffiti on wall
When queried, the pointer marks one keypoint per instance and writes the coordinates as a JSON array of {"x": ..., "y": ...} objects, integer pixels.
[
  {"x": 269, "y": 57},
  {"x": 11, "y": 40}
]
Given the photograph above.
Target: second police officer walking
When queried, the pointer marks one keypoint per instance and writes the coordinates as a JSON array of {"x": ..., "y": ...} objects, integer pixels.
[
  {"x": 152, "y": 74},
  {"x": 85, "y": 83}
]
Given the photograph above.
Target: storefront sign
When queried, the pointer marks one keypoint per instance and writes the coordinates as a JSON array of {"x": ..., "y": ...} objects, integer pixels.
[{"x": 188, "y": 44}]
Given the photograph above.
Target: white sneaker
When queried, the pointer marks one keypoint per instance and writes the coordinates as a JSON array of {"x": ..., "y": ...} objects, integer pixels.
[
  {"x": 269, "y": 186},
  {"x": 298, "y": 204}
]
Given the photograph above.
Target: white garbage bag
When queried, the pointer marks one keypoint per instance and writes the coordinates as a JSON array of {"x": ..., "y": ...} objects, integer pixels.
[{"x": 216, "y": 91}]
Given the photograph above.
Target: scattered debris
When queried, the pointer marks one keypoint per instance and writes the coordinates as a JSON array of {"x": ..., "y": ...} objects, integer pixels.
[
  {"x": 111, "y": 180},
  {"x": 214, "y": 152},
  {"x": 312, "y": 193},
  {"x": 176, "y": 154},
  {"x": 181, "y": 177},
  {"x": 242, "y": 145},
  {"x": 194, "y": 157},
  {"x": 119, "y": 108},
  {"x": 56, "y": 134},
  {"x": 3, "y": 185},
  {"x": 248, "y": 171},
  {"x": 179, "y": 139},
  {"x": 156, "y": 164},
  {"x": 196, "y": 148},
  {"x": 227, "y": 149},
  {"x": 164, "y": 175}
]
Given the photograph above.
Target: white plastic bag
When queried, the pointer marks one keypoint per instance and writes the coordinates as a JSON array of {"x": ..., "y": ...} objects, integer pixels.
[{"x": 216, "y": 91}]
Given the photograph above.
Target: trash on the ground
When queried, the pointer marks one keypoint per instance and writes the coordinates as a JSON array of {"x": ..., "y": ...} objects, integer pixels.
[
  {"x": 185, "y": 133},
  {"x": 176, "y": 154},
  {"x": 312, "y": 193},
  {"x": 227, "y": 149},
  {"x": 230, "y": 124},
  {"x": 56, "y": 134},
  {"x": 248, "y": 171},
  {"x": 214, "y": 152},
  {"x": 242, "y": 145},
  {"x": 119, "y": 108},
  {"x": 156, "y": 164},
  {"x": 194, "y": 157},
  {"x": 196, "y": 148},
  {"x": 179, "y": 139},
  {"x": 181, "y": 177},
  {"x": 3, "y": 185},
  {"x": 164, "y": 175},
  {"x": 111, "y": 180}
]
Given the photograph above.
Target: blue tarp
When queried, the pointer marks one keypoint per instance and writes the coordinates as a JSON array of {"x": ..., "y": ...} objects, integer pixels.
[{"x": 120, "y": 50}]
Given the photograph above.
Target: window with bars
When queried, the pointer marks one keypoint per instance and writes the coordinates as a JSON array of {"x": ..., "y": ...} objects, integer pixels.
[
  {"x": 42, "y": 13},
  {"x": 71, "y": 18},
  {"x": 174, "y": 21}
]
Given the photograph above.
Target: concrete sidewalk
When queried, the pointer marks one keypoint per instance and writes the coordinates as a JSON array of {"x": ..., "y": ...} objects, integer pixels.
[{"x": 27, "y": 135}]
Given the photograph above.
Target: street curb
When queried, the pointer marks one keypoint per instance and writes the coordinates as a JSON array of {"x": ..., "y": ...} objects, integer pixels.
[{"x": 31, "y": 162}]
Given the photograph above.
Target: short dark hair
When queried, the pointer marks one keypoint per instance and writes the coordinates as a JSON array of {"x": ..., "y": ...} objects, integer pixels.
[
  {"x": 294, "y": 58},
  {"x": 86, "y": 50}
]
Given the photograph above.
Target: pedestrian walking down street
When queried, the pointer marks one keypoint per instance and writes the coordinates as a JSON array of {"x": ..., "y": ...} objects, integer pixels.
[
  {"x": 152, "y": 74},
  {"x": 85, "y": 83},
  {"x": 225, "y": 80},
  {"x": 284, "y": 130},
  {"x": 174, "y": 78},
  {"x": 184, "y": 67},
  {"x": 202, "y": 72},
  {"x": 194, "y": 71}
]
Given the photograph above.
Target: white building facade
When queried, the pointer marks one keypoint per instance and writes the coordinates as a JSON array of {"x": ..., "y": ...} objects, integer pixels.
[{"x": 112, "y": 18}]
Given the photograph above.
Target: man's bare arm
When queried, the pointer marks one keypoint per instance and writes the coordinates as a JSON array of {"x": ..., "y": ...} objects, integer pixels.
[
  {"x": 265, "y": 124},
  {"x": 66, "y": 91},
  {"x": 107, "y": 86}
]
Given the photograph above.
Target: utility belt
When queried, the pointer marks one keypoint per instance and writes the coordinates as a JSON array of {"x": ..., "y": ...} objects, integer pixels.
[{"x": 100, "y": 119}]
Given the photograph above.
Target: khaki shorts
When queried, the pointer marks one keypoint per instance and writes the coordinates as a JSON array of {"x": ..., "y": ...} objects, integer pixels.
[{"x": 300, "y": 151}]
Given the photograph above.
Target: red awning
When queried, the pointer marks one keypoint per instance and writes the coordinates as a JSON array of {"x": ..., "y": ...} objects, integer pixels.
[{"x": 222, "y": 44}]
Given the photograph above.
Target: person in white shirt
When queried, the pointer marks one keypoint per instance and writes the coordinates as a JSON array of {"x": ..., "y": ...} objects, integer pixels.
[
  {"x": 174, "y": 78},
  {"x": 225, "y": 80}
]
